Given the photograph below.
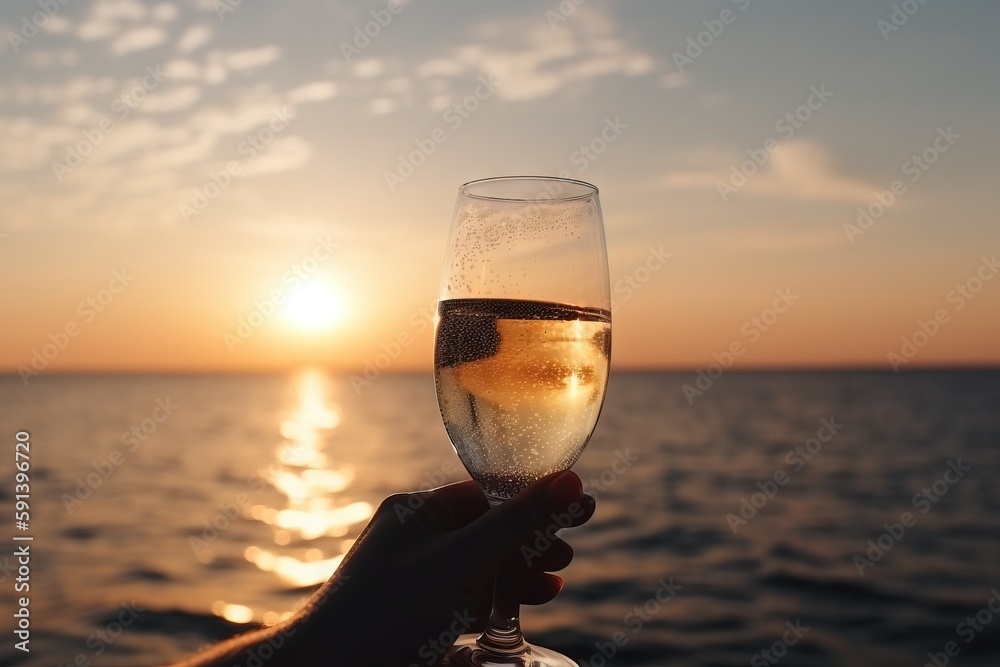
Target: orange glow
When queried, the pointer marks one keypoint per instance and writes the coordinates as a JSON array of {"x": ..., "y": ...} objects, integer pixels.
[
  {"x": 304, "y": 474},
  {"x": 234, "y": 613},
  {"x": 145, "y": 257},
  {"x": 315, "y": 307}
]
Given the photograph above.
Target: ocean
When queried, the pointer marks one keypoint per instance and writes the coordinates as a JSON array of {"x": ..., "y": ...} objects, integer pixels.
[{"x": 829, "y": 518}]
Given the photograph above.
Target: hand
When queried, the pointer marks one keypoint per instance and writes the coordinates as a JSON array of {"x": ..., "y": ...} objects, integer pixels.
[{"x": 421, "y": 573}]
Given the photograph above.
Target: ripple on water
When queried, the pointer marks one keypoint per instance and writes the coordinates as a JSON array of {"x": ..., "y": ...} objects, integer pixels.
[
  {"x": 143, "y": 574},
  {"x": 677, "y": 540},
  {"x": 82, "y": 533},
  {"x": 174, "y": 622}
]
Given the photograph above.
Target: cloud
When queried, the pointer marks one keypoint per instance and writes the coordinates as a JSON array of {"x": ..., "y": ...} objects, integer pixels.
[
  {"x": 440, "y": 102},
  {"x": 138, "y": 39},
  {"x": 215, "y": 72},
  {"x": 77, "y": 88},
  {"x": 194, "y": 38},
  {"x": 806, "y": 170},
  {"x": 366, "y": 69},
  {"x": 800, "y": 169},
  {"x": 165, "y": 12},
  {"x": 283, "y": 154},
  {"x": 207, "y": 5},
  {"x": 527, "y": 58},
  {"x": 119, "y": 10},
  {"x": 535, "y": 61},
  {"x": 382, "y": 105},
  {"x": 87, "y": 86},
  {"x": 441, "y": 67},
  {"x": 80, "y": 114},
  {"x": 181, "y": 152},
  {"x": 219, "y": 63},
  {"x": 672, "y": 80},
  {"x": 252, "y": 58},
  {"x": 149, "y": 182},
  {"x": 140, "y": 137},
  {"x": 252, "y": 112},
  {"x": 398, "y": 85},
  {"x": 94, "y": 30},
  {"x": 143, "y": 161},
  {"x": 315, "y": 91},
  {"x": 172, "y": 99},
  {"x": 58, "y": 25},
  {"x": 46, "y": 58},
  {"x": 107, "y": 18},
  {"x": 26, "y": 144},
  {"x": 182, "y": 69}
]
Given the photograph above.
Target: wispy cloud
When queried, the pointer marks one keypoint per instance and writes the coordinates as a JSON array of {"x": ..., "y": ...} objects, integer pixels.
[
  {"x": 369, "y": 68},
  {"x": 94, "y": 30},
  {"x": 138, "y": 39},
  {"x": 172, "y": 99},
  {"x": 672, "y": 80},
  {"x": 532, "y": 60},
  {"x": 165, "y": 12},
  {"x": 53, "y": 58},
  {"x": 183, "y": 69},
  {"x": 194, "y": 38},
  {"x": 284, "y": 154},
  {"x": 119, "y": 10},
  {"x": 58, "y": 25},
  {"x": 800, "y": 169},
  {"x": 249, "y": 58},
  {"x": 108, "y": 18},
  {"x": 805, "y": 169},
  {"x": 314, "y": 91},
  {"x": 25, "y": 143},
  {"x": 219, "y": 63}
]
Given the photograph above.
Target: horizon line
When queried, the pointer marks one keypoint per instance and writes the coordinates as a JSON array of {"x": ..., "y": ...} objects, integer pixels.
[{"x": 790, "y": 368}]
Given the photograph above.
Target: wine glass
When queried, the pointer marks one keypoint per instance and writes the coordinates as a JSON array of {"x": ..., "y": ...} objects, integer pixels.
[{"x": 522, "y": 354}]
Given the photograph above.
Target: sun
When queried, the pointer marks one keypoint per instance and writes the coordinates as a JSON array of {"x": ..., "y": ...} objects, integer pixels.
[{"x": 314, "y": 307}]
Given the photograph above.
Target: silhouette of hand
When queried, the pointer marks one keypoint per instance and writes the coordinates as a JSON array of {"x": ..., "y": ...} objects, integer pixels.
[{"x": 421, "y": 574}]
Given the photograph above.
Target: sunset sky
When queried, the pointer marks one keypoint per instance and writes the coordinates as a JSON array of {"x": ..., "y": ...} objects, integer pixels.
[{"x": 170, "y": 171}]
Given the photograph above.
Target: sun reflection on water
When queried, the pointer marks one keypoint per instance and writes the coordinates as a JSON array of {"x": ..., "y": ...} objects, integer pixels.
[{"x": 304, "y": 473}]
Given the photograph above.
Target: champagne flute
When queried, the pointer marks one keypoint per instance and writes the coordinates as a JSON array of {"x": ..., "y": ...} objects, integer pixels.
[{"x": 522, "y": 355}]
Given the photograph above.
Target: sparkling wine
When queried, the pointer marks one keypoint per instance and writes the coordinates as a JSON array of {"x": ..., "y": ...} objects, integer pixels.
[{"x": 520, "y": 385}]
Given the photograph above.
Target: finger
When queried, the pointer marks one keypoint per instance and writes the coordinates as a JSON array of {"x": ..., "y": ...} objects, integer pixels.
[
  {"x": 553, "y": 558},
  {"x": 550, "y": 553},
  {"x": 499, "y": 532},
  {"x": 581, "y": 513},
  {"x": 533, "y": 588},
  {"x": 539, "y": 588},
  {"x": 448, "y": 507}
]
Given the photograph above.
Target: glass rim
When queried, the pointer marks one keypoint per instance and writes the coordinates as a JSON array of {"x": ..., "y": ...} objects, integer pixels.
[{"x": 590, "y": 189}]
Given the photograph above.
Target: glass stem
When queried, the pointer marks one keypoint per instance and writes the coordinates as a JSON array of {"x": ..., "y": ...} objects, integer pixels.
[{"x": 503, "y": 632}]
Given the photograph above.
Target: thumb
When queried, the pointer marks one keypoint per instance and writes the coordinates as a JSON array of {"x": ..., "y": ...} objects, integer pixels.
[{"x": 498, "y": 533}]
